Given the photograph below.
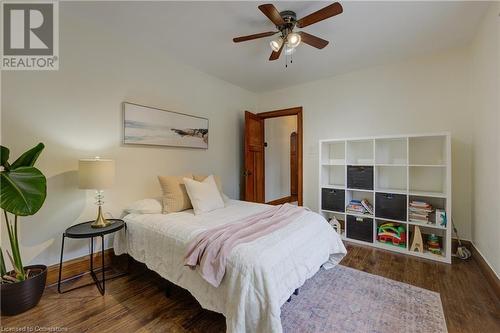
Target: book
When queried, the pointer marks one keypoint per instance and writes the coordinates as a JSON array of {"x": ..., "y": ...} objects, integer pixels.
[{"x": 366, "y": 204}]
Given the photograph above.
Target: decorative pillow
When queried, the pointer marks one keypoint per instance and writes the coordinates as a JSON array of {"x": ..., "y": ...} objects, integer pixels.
[
  {"x": 218, "y": 182},
  {"x": 175, "y": 198},
  {"x": 145, "y": 206},
  {"x": 205, "y": 195}
]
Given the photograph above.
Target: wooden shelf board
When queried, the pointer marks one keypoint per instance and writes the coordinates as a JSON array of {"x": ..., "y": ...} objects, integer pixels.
[
  {"x": 390, "y": 220},
  {"x": 390, "y": 247},
  {"x": 334, "y": 164},
  {"x": 428, "y": 194},
  {"x": 360, "y": 164},
  {"x": 358, "y": 190},
  {"x": 390, "y": 165},
  {"x": 429, "y": 255},
  {"x": 356, "y": 241},
  {"x": 422, "y": 224},
  {"x": 360, "y": 215},
  {"x": 332, "y": 211},
  {"x": 335, "y": 187},
  {"x": 391, "y": 190}
]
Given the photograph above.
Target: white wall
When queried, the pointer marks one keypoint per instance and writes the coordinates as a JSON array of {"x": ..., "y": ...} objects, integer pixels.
[
  {"x": 76, "y": 112},
  {"x": 421, "y": 95},
  {"x": 277, "y": 156},
  {"x": 485, "y": 104}
]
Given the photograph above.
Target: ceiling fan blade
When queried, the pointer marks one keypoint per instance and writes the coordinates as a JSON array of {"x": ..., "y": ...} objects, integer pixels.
[
  {"x": 320, "y": 15},
  {"x": 272, "y": 13},
  {"x": 312, "y": 40},
  {"x": 276, "y": 55},
  {"x": 254, "y": 36}
]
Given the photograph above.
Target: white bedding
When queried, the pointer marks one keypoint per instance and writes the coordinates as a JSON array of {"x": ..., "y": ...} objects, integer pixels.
[{"x": 260, "y": 276}]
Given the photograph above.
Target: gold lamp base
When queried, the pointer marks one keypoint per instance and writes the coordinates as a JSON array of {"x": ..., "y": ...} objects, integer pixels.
[{"x": 100, "y": 221}]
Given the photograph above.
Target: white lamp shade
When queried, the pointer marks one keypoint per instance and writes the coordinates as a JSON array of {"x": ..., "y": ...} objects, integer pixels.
[
  {"x": 294, "y": 39},
  {"x": 276, "y": 44},
  {"x": 96, "y": 174}
]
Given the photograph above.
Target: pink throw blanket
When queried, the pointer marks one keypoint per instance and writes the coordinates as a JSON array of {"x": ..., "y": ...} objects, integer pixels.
[{"x": 211, "y": 248}]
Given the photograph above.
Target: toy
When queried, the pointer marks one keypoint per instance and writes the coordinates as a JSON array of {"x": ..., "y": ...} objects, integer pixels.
[
  {"x": 441, "y": 217},
  {"x": 417, "y": 245},
  {"x": 389, "y": 232},
  {"x": 433, "y": 244},
  {"x": 335, "y": 224}
]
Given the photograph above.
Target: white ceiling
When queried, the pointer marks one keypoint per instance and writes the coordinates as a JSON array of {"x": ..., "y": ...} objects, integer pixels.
[{"x": 366, "y": 34}]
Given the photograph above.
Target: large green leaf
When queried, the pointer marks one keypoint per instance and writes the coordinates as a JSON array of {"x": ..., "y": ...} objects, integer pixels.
[
  {"x": 28, "y": 158},
  {"x": 4, "y": 156},
  {"x": 22, "y": 191},
  {"x": 3, "y": 270}
]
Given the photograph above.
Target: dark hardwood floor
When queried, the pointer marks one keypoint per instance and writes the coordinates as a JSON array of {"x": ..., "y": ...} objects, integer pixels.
[{"x": 137, "y": 302}]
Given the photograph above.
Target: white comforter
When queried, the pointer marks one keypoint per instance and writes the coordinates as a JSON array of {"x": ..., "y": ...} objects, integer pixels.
[{"x": 260, "y": 275}]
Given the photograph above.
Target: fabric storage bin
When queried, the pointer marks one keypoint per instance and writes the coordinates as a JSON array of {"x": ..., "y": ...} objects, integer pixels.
[
  {"x": 333, "y": 199},
  {"x": 360, "y": 177},
  {"x": 390, "y": 206},
  {"x": 360, "y": 228}
]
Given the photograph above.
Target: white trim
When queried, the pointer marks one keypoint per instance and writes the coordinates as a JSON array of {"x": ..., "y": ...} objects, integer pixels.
[{"x": 485, "y": 260}]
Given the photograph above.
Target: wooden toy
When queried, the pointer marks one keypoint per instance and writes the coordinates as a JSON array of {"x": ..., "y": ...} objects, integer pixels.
[
  {"x": 433, "y": 244},
  {"x": 417, "y": 245},
  {"x": 336, "y": 225}
]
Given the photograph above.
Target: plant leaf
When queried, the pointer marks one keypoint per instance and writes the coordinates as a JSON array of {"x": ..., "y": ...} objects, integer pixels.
[
  {"x": 4, "y": 156},
  {"x": 22, "y": 191},
  {"x": 16, "y": 269},
  {"x": 28, "y": 158},
  {"x": 3, "y": 270}
]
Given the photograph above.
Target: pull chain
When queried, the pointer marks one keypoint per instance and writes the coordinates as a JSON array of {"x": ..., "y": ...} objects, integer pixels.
[{"x": 286, "y": 59}]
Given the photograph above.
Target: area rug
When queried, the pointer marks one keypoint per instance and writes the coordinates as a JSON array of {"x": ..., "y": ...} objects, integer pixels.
[{"x": 343, "y": 299}]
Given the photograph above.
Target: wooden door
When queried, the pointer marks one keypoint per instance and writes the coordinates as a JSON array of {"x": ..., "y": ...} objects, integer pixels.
[
  {"x": 293, "y": 167},
  {"x": 254, "y": 158}
]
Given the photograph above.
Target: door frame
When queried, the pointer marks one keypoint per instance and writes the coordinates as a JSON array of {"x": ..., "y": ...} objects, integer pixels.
[{"x": 295, "y": 111}]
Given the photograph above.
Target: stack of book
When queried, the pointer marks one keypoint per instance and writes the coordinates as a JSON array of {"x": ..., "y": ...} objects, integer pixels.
[
  {"x": 420, "y": 212},
  {"x": 359, "y": 207}
]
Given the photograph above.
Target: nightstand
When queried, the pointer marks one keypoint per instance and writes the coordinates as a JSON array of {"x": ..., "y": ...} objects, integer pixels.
[{"x": 84, "y": 230}]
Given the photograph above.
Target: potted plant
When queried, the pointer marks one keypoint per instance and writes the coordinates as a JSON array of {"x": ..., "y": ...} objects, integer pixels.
[{"x": 23, "y": 189}]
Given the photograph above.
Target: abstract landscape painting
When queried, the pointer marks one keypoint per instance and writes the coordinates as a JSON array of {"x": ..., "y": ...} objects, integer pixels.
[{"x": 150, "y": 126}]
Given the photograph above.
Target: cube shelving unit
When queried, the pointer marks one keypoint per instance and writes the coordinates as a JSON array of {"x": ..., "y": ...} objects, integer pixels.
[{"x": 413, "y": 167}]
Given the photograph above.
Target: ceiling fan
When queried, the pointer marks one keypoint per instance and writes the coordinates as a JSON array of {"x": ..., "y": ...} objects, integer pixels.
[{"x": 285, "y": 22}]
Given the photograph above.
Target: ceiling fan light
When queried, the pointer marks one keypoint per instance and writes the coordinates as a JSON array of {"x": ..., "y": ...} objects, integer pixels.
[
  {"x": 276, "y": 44},
  {"x": 294, "y": 39}
]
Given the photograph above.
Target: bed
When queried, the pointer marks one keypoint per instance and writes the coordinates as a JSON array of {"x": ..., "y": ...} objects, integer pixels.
[{"x": 260, "y": 275}]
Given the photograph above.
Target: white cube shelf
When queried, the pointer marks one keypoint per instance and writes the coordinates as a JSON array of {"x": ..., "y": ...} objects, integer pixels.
[
  {"x": 428, "y": 150},
  {"x": 391, "y": 151},
  {"x": 416, "y": 166},
  {"x": 334, "y": 154},
  {"x": 359, "y": 152},
  {"x": 428, "y": 179},
  {"x": 391, "y": 178},
  {"x": 333, "y": 176}
]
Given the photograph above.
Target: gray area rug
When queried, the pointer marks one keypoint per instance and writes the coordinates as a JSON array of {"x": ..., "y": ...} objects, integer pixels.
[{"x": 343, "y": 299}]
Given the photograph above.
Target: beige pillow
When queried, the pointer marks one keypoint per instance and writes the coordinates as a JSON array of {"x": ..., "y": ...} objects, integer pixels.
[
  {"x": 218, "y": 182},
  {"x": 175, "y": 197},
  {"x": 205, "y": 196}
]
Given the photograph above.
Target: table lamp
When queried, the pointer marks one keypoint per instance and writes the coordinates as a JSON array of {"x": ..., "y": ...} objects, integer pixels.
[{"x": 97, "y": 174}]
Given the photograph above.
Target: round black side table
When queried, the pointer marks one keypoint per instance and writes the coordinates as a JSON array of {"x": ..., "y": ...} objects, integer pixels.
[{"x": 84, "y": 230}]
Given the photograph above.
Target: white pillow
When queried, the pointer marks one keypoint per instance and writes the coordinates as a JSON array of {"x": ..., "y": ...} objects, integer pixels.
[
  {"x": 145, "y": 206},
  {"x": 205, "y": 195}
]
